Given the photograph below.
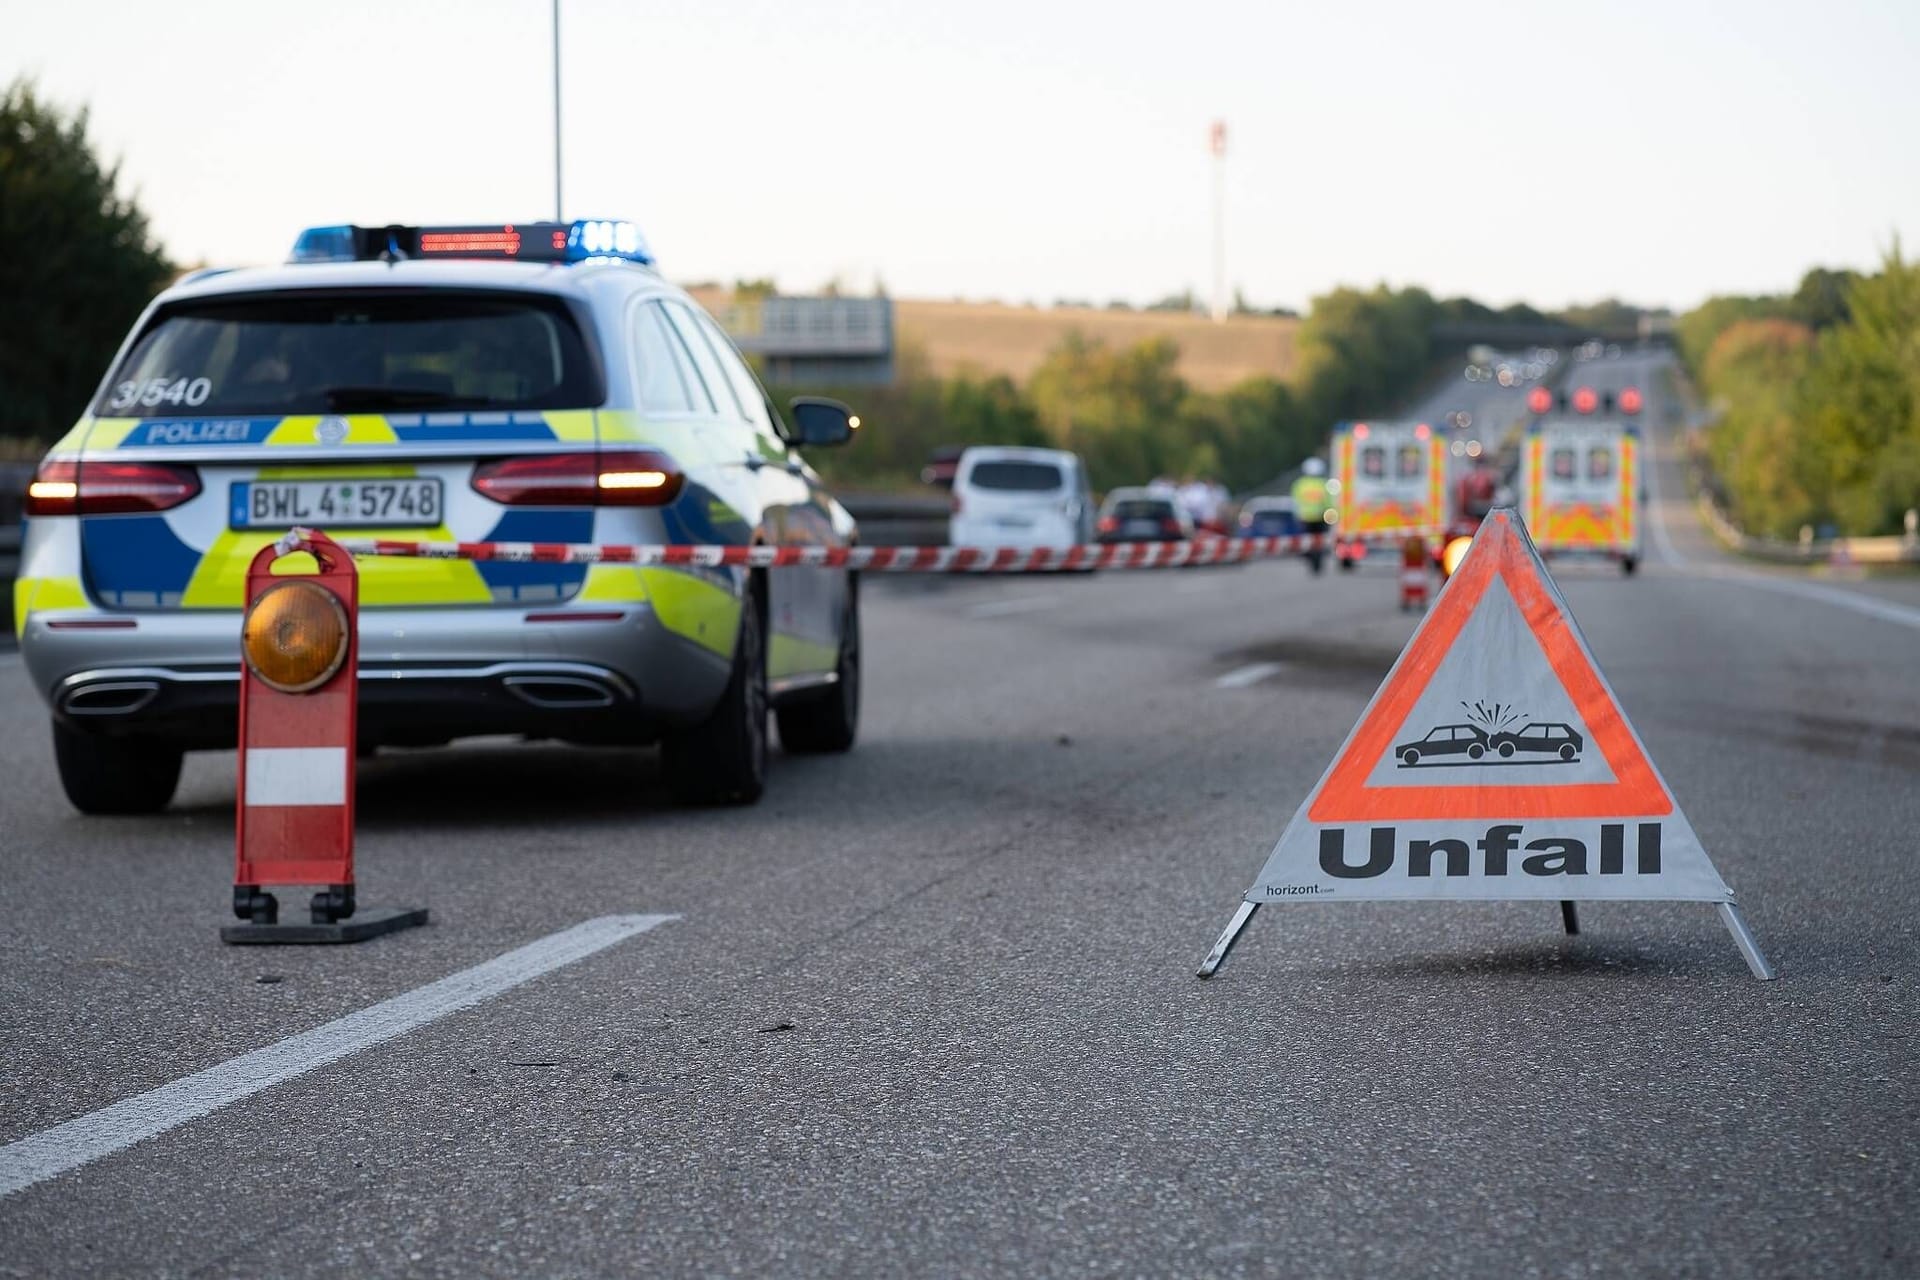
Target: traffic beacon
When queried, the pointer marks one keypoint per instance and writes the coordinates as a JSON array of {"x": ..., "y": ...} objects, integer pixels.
[{"x": 298, "y": 689}]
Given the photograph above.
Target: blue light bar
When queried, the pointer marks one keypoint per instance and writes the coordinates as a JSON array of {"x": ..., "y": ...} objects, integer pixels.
[
  {"x": 324, "y": 244},
  {"x": 595, "y": 238},
  {"x": 582, "y": 240}
]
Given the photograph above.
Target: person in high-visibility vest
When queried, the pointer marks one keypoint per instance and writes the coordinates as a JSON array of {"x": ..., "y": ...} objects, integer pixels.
[{"x": 1311, "y": 502}]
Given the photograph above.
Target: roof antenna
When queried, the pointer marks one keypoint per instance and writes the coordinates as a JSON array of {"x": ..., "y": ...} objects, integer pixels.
[{"x": 393, "y": 252}]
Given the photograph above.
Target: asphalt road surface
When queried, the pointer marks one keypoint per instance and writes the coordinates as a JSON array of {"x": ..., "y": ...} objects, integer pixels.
[{"x": 930, "y": 1008}]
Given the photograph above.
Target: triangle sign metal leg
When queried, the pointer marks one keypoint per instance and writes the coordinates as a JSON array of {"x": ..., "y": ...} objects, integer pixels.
[
  {"x": 1218, "y": 956},
  {"x": 1743, "y": 939}
]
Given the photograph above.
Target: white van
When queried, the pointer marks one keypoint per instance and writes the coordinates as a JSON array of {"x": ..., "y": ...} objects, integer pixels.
[{"x": 1005, "y": 496}]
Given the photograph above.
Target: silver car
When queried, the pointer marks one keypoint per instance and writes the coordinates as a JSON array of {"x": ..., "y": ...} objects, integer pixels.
[{"x": 539, "y": 382}]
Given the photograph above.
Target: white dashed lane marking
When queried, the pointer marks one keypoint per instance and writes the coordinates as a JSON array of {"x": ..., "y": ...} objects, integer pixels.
[{"x": 1252, "y": 673}]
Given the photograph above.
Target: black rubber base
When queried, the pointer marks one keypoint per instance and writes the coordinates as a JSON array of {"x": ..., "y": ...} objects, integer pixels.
[{"x": 366, "y": 924}]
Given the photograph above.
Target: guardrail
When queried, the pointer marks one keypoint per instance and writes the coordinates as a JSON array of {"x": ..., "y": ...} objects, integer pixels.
[
  {"x": 900, "y": 520},
  {"x": 1809, "y": 550}
]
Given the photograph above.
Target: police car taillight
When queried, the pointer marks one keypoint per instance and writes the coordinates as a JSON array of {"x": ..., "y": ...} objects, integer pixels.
[
  {"x": 1630, "y": 400},
  {"x": 616, "y": 478},
  {"x": 66, "y": 487}
]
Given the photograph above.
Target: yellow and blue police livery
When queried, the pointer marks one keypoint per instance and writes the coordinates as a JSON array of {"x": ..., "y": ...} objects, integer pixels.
[{"x": 533, "y": 382}]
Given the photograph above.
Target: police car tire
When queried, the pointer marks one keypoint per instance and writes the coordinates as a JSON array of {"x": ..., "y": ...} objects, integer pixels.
[
  {"x": 723, "y": 759},
  {"x": 103, "y": 775},
  {"x": 830, "y": 721}
]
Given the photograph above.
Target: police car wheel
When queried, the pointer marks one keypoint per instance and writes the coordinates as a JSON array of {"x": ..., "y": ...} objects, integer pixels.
[
  {"x": 103, "y": 775},
  {"x": 830, "y": 721},
  {"x": 723, "y": 760}
]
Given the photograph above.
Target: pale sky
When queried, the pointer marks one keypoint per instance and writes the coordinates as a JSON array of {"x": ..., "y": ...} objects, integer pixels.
[{"x": 1028, "y": 150}]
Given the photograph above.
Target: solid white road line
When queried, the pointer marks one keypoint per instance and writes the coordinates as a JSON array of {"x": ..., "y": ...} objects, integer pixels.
[
  {"x": 1871, "y": 606},
  {"x": 1018, "y": 604},
  {"x": 115, "y": 1128},
  {"x": 1252, "y": 673}
]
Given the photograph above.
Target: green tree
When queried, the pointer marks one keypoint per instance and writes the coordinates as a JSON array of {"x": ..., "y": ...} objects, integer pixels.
[
  {"x": 1819, "y": 397},
  {"x": 76, "y": 265},
  {"x": 1861, "y": 402},
  {"x": 1697, "y": 330},
  {"x": 1821, "y": 300},
  {"x": 1363, "y": 352},
  {"x": 1262, "y": 430},
  {"x": 1118, "y": 409},
  {"x": 1761, "y": 454}
]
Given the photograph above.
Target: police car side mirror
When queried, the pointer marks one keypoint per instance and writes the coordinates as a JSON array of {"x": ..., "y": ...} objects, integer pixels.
[{"x": 818, "y": 421}]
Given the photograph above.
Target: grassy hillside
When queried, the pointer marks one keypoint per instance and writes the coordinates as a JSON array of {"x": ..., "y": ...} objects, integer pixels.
[
  {"x": 985, "y": 338},
  {"x": 992, "y": 338}
]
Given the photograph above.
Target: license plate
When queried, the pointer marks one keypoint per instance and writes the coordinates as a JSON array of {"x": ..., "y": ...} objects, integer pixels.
[
  {"x": 1141, "y": 528},
  {"x": 335, "y": 504},
  {"x": 1015, "y": 522}
]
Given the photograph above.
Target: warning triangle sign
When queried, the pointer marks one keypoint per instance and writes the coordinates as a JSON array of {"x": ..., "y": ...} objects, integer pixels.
[{"x": 1493, "y": 762}]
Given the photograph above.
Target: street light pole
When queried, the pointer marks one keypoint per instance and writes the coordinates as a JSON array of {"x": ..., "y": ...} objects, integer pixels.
[{"x": 557, "y": 215}]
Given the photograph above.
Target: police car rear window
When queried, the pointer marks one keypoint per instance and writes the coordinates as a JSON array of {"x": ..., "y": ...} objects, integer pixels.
[
  {"x": 1023, "y": 477},
  {"x": 1142, "y": 509},
  {"x": 356, "y": 353}
]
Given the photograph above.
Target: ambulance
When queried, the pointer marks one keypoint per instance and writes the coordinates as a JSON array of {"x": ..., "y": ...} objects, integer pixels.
[
  {"x": 1580, "y": 475},
  {"x": 1386, "y": 476}
]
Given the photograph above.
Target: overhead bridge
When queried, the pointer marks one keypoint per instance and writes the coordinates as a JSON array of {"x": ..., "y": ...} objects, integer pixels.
[{"x": 815, "y": 340}]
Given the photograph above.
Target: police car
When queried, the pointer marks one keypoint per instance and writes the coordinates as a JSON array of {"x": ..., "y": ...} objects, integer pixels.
[{"x": 530, "y": 382}]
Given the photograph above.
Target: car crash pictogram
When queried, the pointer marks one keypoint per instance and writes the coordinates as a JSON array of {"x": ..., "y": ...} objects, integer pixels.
[{"x": 1492, "y": 738}]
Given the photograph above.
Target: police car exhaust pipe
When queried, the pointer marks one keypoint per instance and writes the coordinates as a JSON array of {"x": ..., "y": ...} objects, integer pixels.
[
  {"x": 559, "y": 693},
  {"x": 122, "y": 697}
]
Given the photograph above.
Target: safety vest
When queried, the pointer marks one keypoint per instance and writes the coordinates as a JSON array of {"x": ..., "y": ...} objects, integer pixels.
[{"x": 1310, "y": 498}]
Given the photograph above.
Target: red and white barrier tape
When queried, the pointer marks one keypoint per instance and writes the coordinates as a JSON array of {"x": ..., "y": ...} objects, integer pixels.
[{"x": 1112, "y": 555}]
